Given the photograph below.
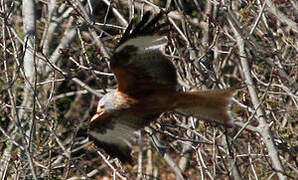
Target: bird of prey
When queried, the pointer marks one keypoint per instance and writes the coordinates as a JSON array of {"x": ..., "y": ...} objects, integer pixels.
[{"x": 147, "y": 87}]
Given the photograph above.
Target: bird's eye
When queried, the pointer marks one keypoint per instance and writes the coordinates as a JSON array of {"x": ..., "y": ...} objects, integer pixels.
[{"x": 100, "y": 108}]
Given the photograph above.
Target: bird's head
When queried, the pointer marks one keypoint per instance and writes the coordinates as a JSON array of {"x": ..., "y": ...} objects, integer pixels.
[{"x": 105, "y": 108}]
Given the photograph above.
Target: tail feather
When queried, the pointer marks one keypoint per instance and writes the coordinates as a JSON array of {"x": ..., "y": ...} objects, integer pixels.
[{"x": 213, "y": 105}]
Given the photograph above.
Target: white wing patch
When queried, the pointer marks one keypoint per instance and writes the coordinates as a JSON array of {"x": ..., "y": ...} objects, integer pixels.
[
  {"x": 120, "y": 134},
  {"x": 146, "y": 43}
]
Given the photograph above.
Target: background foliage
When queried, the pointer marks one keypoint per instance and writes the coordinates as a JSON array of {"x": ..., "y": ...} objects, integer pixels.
[{"x": 54, "y": 68}]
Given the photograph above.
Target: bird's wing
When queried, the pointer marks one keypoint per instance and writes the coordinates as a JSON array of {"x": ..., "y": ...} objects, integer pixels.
[
  {"x": 141, "y": 67},
  {"x": 114, "y": 133},
  {"x": 139, "y": 61}
]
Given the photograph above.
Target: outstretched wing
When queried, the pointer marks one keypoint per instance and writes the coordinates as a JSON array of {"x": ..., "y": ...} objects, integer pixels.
[
  {"x": 115, "y": 133},
  {"x": 139, "y": 62},
  {"x": 141, "y": 67}
]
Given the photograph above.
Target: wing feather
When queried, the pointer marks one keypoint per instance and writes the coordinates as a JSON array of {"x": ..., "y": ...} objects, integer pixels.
[
  {"x": 139, "y": 60},
  {"x": 141, "y": 67},
  {"x": 117, "y": 134}
]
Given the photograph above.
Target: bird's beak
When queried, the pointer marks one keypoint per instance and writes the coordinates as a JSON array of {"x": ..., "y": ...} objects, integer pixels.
[
  {"x": 95, "y": 117},
  {"x": 99, "y": 114}
]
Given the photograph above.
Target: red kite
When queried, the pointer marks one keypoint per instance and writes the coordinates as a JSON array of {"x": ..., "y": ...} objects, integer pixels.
[{"x": 147, "y": 83}]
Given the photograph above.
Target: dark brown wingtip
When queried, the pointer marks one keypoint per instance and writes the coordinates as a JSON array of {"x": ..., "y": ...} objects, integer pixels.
[
  {"x": 146, "y": 26},
  {"x": 122, "y": 153}
]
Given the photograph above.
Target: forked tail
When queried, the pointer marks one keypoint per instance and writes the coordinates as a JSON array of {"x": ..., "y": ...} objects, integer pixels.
[{"x": 213, "y": 105}]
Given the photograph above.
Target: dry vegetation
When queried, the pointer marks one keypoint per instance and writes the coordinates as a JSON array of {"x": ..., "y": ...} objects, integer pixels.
[{"x": 54, "y": 68}]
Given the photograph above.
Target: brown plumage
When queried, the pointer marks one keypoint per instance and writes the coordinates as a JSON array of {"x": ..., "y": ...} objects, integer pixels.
[{"x": 146, "y": 88}]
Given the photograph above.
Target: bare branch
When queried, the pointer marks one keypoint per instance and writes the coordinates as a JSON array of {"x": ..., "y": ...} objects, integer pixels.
[{"x": 264, "y": 129}]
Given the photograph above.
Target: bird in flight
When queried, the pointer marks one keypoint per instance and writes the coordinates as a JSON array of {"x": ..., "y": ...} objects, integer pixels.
[{"x": 147, "y": 87}]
